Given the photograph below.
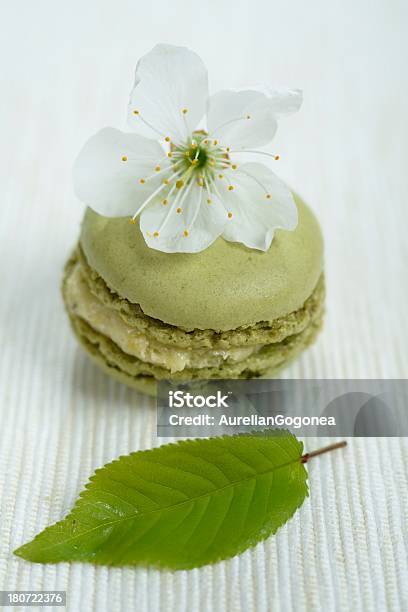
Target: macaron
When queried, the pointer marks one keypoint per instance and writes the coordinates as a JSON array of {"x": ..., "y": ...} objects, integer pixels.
[{"x": 227, "y": 312}]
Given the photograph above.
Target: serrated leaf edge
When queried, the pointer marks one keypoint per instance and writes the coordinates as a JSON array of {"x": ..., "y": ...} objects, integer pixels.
[{"x": 81, "y": 499}]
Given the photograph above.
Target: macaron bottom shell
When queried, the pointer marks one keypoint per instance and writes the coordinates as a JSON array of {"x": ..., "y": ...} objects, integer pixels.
[
  {"x": 292, "y": 335},
  {"x": 148, "y": 384}
]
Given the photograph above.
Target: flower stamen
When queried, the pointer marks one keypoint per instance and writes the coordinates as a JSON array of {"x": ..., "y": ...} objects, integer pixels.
[
  {"x": 197, "y": 210},
  {"x": 214, "y": 186},
  {"x": 149, "y": 199},
  {"x": 261, "y": 185},
  {"x": 275, "y": 157},
  {"x": 178, "y": 201},
  {"x": 154, "y": 194},
  {"x": 148, "y": 124},
  {"x": 160, "y": 171},
  {"x": 223, "y": 125}
]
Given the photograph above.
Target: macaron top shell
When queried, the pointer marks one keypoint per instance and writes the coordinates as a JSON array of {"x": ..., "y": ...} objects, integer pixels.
[{"x": 222, "y": 288}]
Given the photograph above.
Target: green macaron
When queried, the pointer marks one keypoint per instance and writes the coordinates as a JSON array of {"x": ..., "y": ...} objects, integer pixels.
[{"x": 226, "y": 312}]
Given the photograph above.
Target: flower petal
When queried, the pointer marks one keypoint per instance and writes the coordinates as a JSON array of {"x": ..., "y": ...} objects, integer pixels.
[
  {"x": 283, "y": 101},
  {"x": 242, "y": 119},
  {"x": 187, "y": 224},
  {"x": 109, "y": 167},
  {"x": 170, "y": 92},
  {"x": 258, "y": 204}
]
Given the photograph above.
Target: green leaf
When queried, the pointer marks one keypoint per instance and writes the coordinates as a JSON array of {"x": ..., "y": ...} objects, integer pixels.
[{"x": 181, "y": 505}]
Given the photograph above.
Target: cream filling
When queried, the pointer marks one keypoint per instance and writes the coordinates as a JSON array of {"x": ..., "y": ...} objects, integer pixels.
[{"x": 108, "y": 322}]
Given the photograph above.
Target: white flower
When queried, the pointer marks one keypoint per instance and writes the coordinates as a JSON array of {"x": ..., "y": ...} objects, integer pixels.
[{"x": 184, "y": 178}]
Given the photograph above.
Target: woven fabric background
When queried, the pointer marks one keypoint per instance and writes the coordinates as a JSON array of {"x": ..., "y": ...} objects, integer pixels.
[{"x": 66, "y": 71}]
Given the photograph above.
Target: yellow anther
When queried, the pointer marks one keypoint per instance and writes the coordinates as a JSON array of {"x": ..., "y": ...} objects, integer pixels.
[
  {"x": 124, "y": 158},
  {"x": 157, "y": 168},
  {"x": 169, "y": 154},
  {"x": 206, "y": 141},
  {"x": 132, "y": 221},
  {"x": 156, "y": 234},
  {"x": 268, "y": 196},
  {"x": 167, "y": 139},
  {"x": 209, "y": 201},
  {"x": 228, "y": 149},
  {"x": 141, "y": 181},
  {"x": 248, "y": 117},
  {"x": 215, "y": 142},
  {"x": 194, "y": 162},
  {"x": 136, "y": 112},
  {"x": 185, "y": 233},
  {"x": 234, "y": 166},
  {"x": 184, "y": 111},
  {"x": 179, "y": 210},
  {"x": 277, "y": 157},
  {"x": 166, "y": 181},
  {"x": 230, "y": 187},
  {"x": 179, "y": 184},
  {"x": 221, "y": 176},
  {"x": 230, "y": 215},
  {"x": 165, "y": 202},
  {"x": 200, "y": 182}
]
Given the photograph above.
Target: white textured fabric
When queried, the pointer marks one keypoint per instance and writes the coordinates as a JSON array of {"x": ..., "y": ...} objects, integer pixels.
[{"x": 66, "y": 71}]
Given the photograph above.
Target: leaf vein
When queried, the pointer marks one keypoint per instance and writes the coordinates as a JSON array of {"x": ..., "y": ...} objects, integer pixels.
[
  {"x": 150, "y": 482},
  {"x": 103, "y": 525},
  {"x": 178, "y": 470},
  {"x": 219, "y": 526},
  {"x": 199, "y": 522}
]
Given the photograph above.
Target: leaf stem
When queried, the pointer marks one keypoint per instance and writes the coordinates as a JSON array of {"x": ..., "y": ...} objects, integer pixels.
[{"x": 305, "y": 458}]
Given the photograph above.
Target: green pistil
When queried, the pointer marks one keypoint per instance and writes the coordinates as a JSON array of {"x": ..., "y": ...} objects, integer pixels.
[{"x": 198, "y": 156}]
